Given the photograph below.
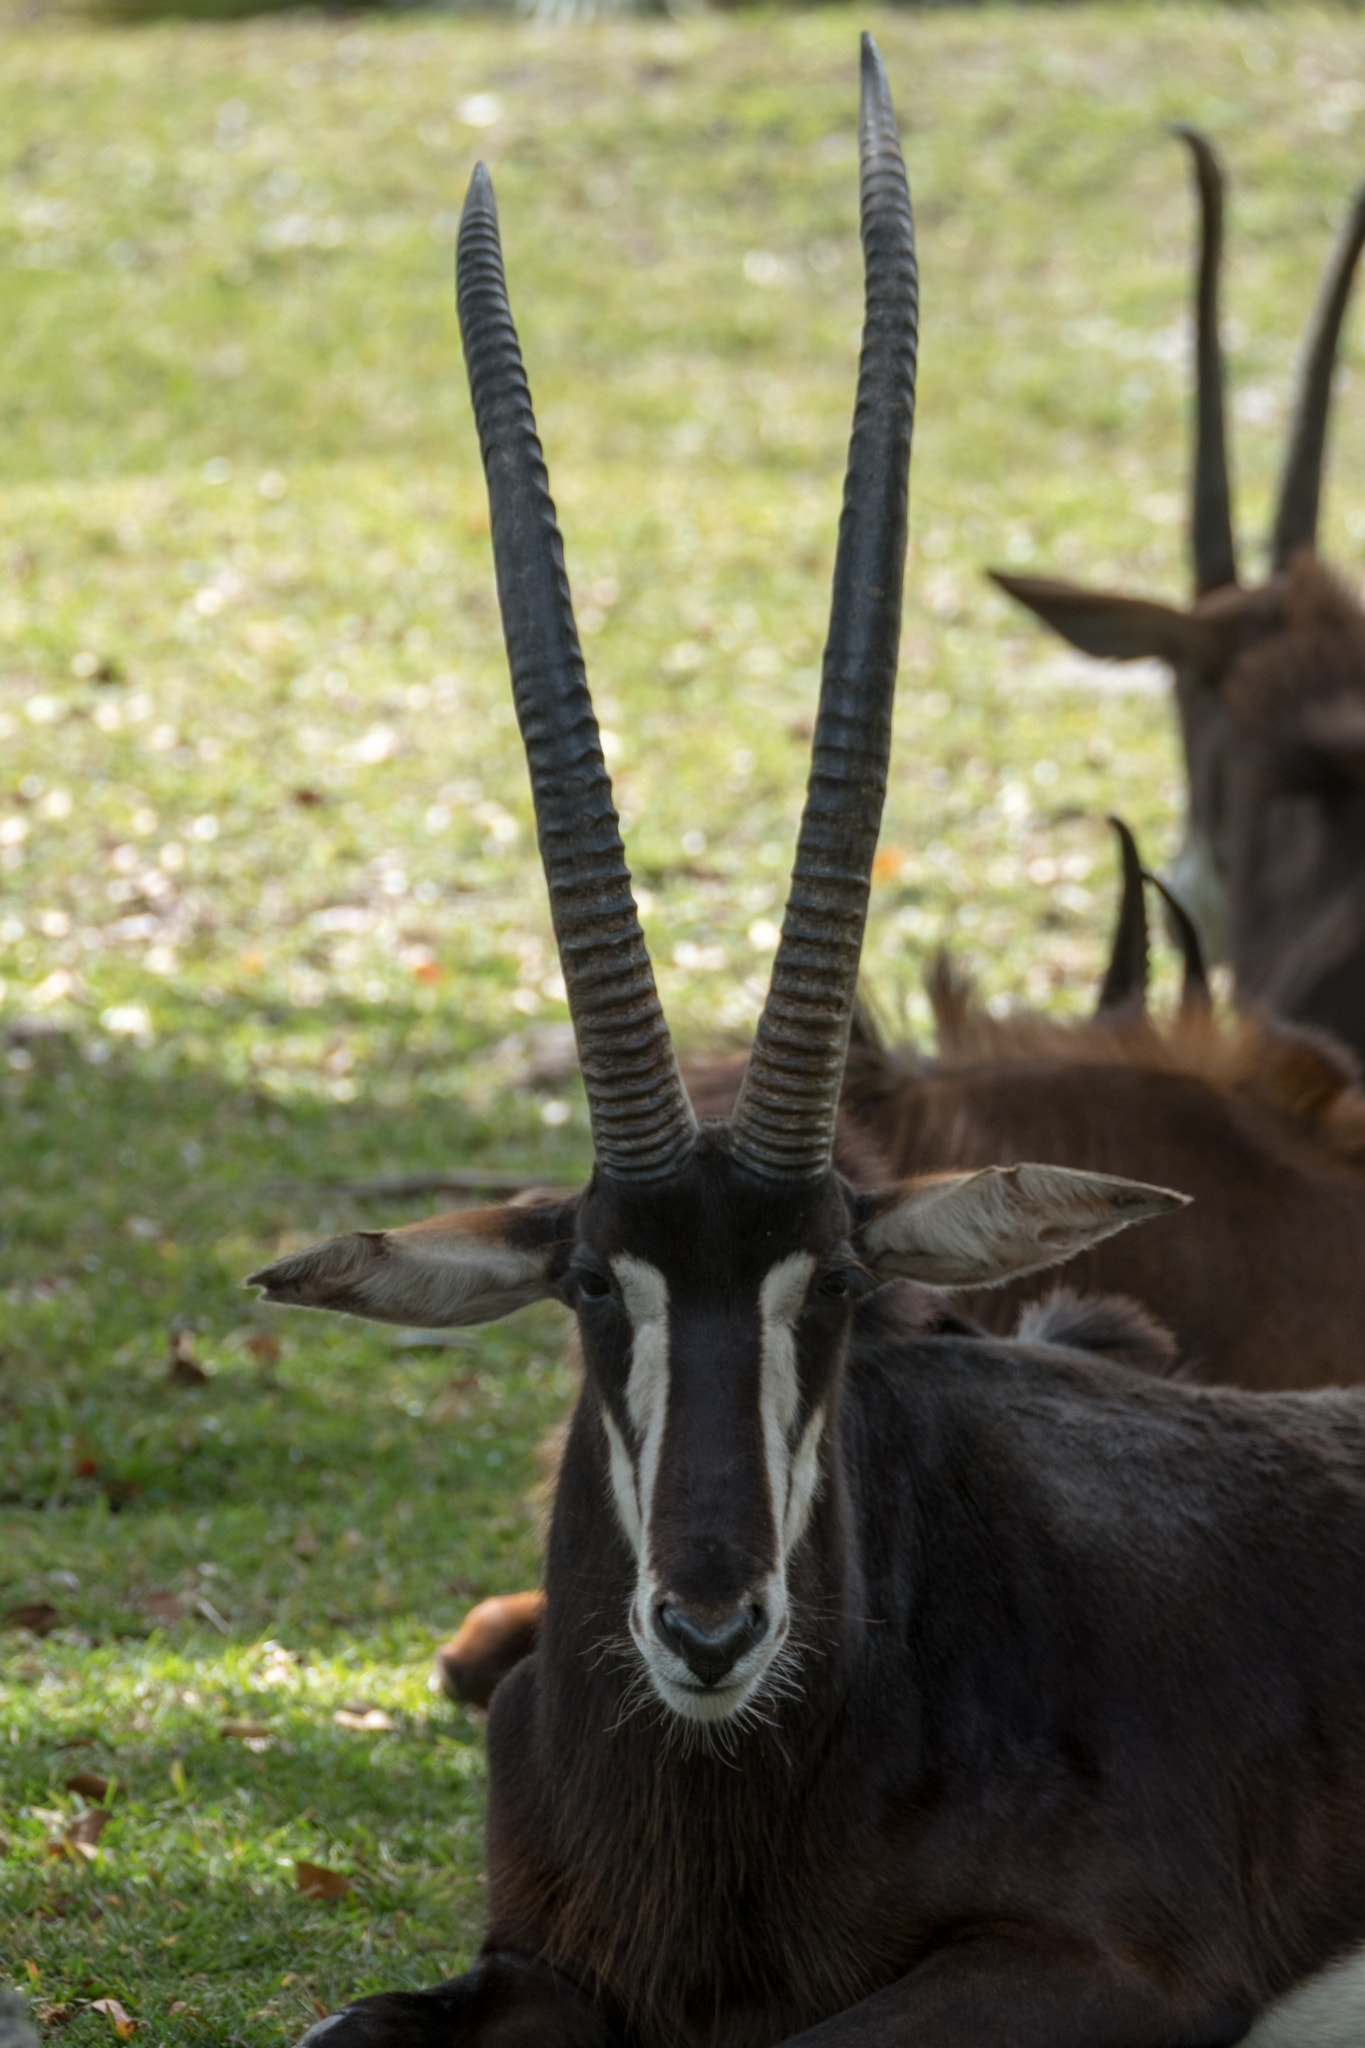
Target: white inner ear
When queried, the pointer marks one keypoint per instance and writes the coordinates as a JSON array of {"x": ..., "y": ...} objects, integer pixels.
[
  {"x": 980, "y": 1229},
  {"x": 434, "y": 1274},
  {"x": 456, "y": 1279}
]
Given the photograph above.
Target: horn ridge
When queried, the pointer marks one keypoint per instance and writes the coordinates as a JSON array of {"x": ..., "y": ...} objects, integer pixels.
[
  {"x": 1211, "y": 534},
  {"x": 642, "y": 1120},
  {"x": 783, "y": 1122},
  {"x": 1296, "y": 516}
]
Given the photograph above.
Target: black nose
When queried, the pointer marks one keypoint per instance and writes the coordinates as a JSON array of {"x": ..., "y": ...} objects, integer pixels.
[{"x": 710, "y": 1647}]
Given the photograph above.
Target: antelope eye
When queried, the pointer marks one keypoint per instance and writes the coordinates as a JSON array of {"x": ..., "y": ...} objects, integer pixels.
[
  {"x": 845, "y": 1283},
  {"x": 591, "y": 1284}
]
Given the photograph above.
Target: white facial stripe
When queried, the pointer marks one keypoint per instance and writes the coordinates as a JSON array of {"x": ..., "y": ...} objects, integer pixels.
[
  {"x": 793, "y": 1471},
  {"x": 645, "y": 1294},
  {"x": 805, "y": 1481},
  {"x": 780, "y": 1301},
  {"x": 623, "y": 1484}
]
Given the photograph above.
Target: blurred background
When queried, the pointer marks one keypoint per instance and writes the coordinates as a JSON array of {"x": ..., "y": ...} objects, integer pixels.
[{"x": 272, "y": 926}]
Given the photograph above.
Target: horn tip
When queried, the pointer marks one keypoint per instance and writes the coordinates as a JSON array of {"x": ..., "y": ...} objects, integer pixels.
[
  {"x": 873, "y": 70},
  {"x": 479, "y": 197},
  {"x": 1200, "y": 148}
]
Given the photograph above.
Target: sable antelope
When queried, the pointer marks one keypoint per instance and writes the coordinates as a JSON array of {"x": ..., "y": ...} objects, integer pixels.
[
  {"x": 1269, "y": 686},
  {"x": 1262, "y": 1122},
  {"x": 892, "y": 1688}
]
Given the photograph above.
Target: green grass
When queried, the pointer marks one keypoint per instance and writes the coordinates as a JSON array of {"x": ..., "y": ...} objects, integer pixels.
[{"x": 268, "y": 894}]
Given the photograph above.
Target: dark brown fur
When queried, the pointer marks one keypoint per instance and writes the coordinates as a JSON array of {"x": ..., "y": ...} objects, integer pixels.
[{"x": 1263, "y": 1123}]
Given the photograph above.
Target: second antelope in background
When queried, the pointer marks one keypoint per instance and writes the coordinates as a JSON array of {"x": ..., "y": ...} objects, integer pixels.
[{"x": 1269, "y": 685}]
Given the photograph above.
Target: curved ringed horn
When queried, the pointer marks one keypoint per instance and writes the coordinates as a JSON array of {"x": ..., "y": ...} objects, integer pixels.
[
  {"x": 1296, "y": 515},
  {"x": 783, "y": 1122},
  {"x": 642, "y": 1121},
  {"x": 1211, "y": 536}
]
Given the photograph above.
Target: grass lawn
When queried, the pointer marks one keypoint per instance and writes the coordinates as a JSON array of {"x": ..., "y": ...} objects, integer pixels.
[{"x": 270, "y": 911}]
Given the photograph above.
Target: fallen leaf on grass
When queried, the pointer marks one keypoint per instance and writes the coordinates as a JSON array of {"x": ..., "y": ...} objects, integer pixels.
[
  {"x": 90, "y": 1785},
  {"x": 82, "y": 1837},
  {"x": 123, "y": 2026},
  {"x": 246, "y": 1731},
  {"x": 87, "y": 1827},
  {"x": 163, "y": 1607},
  {"x": 450, "y": 1405},
  {"x": 52, "y": 2014},
  {"x": 318, "y": 2006},
  {"x": 364, "y": 1720},
  {"x": 184, "y": 1369},
  {"x": 315, "y": 1882},
  {"x": 307, "y": 1543},
  {"x": 39, "y": 1617},
  {"x": 264, "y": 1347}
]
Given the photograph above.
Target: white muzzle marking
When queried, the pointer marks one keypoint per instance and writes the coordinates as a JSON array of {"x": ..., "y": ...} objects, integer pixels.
[{"x": 792, "y": 1466}]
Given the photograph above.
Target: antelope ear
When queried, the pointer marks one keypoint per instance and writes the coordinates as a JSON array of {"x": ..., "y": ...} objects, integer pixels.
[
  {"x": 472, "y": 1266},
  {"x": 981, "y": 1229},
  {"x": 1113, "y": 627}
]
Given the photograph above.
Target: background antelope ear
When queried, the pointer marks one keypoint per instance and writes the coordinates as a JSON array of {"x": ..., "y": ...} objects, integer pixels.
[
  {"x": 472, "y": 1266},
  {"x": 1113, "y": 627},
  {"x": 981, "y": 1229}
]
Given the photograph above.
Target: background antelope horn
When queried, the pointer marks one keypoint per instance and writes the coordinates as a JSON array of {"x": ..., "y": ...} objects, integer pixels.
[
  {"x": 1214, "y": 549},
  {"x": 1125, "y": 981},
  {"x": 1195, "y": 993},
  {"x": 783, "y": 1123},
  {"x": 1296, "y": 516},
  {"x": 642, "y": 1121}
]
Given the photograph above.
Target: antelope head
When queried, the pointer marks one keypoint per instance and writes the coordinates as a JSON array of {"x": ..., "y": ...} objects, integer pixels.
[
  {"x": 714, "y": 1271},
  {"x": 1269, "y": 678}
]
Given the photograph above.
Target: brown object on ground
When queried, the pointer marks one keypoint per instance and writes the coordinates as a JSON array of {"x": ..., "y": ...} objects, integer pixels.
[
  {"x": 493, "y": 1637},
  {"x": 184, "y": 1369},
  {"x": 317, "y": 1882},
  {"x": 39, "y": 1617}
]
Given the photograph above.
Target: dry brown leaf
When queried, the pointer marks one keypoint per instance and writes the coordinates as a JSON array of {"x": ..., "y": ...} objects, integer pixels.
[
  {"x": 264, "y": 1347},
  {"x": 39, "y": 1617},
  {"x": 307, "y": 1543},
  {"x": 365, "y": 1720},
  {"x": 124, "y": 2026},
  {"x": 82, "y": 1837},
  {"x": 451, "y": 1404},
  {"x": 184, "y": 1369},
  {"x": 164, "y": 1607},
  {"x": 52, "y": 2014},
  {"x": 90, "y": 1785},
  {"x": 316, "y": 1882},
  {"x": 318, "y": 2006},
  {"x": 245, "y": 1731}
]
